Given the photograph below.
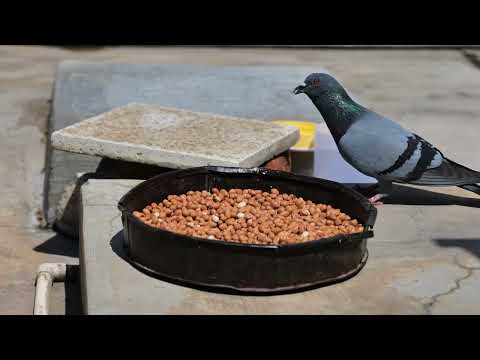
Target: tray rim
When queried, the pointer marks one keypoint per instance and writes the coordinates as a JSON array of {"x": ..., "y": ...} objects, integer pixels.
[{"x": 367, "y": 233}]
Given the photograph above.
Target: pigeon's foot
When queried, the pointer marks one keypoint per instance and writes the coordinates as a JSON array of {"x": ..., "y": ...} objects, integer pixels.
[{"x": 374, "y": 200}]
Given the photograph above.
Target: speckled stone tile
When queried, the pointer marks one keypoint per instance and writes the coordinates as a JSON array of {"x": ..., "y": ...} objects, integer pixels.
[{"x": 175, "y": 138}]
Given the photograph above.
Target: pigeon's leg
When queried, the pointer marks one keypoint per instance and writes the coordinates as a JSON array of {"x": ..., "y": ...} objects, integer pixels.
[
  {"x": 374, "y": 199},
  {"x": 367, "y": 190},
  {"x": 386, "y": 188}
]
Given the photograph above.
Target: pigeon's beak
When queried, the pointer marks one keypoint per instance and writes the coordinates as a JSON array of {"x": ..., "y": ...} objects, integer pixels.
[{"x": 299, "y": 89}]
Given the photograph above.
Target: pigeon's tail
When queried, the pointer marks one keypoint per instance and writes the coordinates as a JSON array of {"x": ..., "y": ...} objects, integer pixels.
[{"x": 471, "y": 187}]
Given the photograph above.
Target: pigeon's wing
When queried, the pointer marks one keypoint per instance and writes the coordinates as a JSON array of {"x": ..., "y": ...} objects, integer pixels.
[
  {"x": 449, "y": 173},
  {"x": 381, "y": 148}
]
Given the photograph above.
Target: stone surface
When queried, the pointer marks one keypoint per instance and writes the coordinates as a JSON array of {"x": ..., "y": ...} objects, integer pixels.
[
  {"x": 176, "y": 138},
  {"x": 461, "y": 298},
  {"x": 84, "y": 90},
  {"x": 408, "y": 272}
]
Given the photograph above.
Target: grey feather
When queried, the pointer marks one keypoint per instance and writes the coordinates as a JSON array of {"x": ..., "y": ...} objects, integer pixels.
[
  {"x": 448, "y": 173},
  {"x": 374, "y": 144}
]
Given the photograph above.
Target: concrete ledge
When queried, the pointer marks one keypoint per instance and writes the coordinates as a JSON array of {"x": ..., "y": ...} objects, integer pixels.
[{"x": 409, "y": 271}]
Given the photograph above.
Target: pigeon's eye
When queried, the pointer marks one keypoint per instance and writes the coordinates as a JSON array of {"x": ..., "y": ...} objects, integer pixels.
[{"x": 315, "y": 82}]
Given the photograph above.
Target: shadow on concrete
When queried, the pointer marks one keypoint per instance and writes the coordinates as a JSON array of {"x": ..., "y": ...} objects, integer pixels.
[
  {"x": 73, "y": 293},
  {"x": 59, "y": 245},
  {"x": 406, "y": 195},
  {"x": 117, "y": 246},
  {"x": 68, "y": 223},
  {"x": 471, "y": 245}
]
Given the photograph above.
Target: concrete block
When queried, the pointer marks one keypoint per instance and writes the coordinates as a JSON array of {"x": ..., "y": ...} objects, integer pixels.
[{"x": 176, "y": 138}]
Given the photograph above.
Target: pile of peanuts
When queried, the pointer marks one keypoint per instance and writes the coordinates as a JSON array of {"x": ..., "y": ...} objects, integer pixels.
[{"x": 247, "y": 216}]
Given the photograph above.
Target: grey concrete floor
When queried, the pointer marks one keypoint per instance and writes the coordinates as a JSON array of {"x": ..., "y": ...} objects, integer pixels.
[
  {"x": 434, "y": 92},
  {"x": 423, "y": 259}
]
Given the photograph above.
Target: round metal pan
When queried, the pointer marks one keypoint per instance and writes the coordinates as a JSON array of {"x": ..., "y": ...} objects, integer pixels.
[{"x": 240, "y": 267}]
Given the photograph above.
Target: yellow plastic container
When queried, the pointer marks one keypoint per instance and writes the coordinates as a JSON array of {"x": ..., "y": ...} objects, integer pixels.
[{"x": 307, "y": 133}]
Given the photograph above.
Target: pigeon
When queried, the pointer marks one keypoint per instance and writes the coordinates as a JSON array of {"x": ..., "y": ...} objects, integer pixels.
[{"x": 379, "y": 147}]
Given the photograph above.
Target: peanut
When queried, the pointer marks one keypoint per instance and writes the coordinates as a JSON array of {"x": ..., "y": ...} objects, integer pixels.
[{"x": 264, "y": 217}]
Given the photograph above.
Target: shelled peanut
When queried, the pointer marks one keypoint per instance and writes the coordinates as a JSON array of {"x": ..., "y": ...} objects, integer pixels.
[{"x": 248, "y": 216}]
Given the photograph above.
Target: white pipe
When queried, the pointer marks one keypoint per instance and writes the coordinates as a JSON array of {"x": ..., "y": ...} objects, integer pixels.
[{"x": 47, "y": 274}]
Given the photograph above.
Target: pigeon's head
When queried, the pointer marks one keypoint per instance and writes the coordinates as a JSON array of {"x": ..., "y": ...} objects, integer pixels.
[{"x": 319, "y": 84}]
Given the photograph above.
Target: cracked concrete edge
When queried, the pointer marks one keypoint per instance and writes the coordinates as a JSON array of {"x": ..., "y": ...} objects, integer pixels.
[
  {"x": 428, "y": 307},
  {"x": 47, "y": 222},
  {"x": 68, "y": 192},
  {"x": 81, "y": 253}
]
